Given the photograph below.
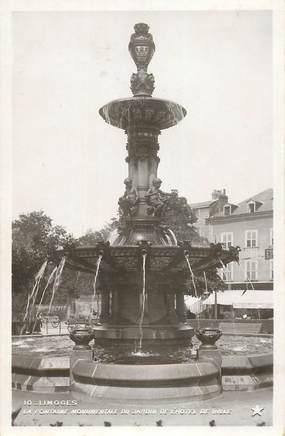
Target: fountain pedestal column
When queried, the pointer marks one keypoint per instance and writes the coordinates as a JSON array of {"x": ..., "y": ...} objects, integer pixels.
[
  {"x": 115, "y": 305},
  {"x": 170, "y": 303},
  {"x": 105, "y": 306},
  {"x": 180, "y": 306},
  {"x": 142, "y": 156}
]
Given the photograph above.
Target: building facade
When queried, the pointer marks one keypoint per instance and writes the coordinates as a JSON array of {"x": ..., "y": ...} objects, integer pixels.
[{"x": 248, "y": 225}]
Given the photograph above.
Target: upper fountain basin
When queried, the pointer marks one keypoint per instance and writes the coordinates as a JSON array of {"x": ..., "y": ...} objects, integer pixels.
[{"x": 127, "y": 112}]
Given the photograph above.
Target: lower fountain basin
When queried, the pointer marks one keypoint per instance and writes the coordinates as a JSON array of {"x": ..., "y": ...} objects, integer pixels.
[
  {"x": 42, "y": 364},
  {"x": 61, "y": 345}
]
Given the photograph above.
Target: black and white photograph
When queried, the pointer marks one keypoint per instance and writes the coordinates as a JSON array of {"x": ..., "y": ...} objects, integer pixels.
[{"x": 143, "y": 226}]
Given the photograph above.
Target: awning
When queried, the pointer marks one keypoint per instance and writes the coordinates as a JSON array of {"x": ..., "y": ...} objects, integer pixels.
[{"x": 247, "y": 300}]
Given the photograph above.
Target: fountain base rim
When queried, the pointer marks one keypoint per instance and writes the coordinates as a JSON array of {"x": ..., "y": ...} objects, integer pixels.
[{"x": 140, "y": 382}]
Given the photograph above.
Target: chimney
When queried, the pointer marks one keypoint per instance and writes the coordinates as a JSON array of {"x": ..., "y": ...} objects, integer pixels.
[
  {"x": 215, "y": 194},
  {"x": 220, "y": 194}
]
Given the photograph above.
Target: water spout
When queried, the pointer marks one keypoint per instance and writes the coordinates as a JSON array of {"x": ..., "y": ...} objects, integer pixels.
[
  {"x": 113, "y": 236},
  {"x": 143, "y": 303},
  {"x": 252, "y": 287},
  {"x": 192, "y": 274},
  {"x": 251, "y": 284},
  {"x": 33, "y": 294},
  {"x": 222, "y": 263},
  {"x": 206, "y": 283},
  {"x": 56, "y": 282},
  {"x": 43, "y": 294},
  {"x": 167, "y": 240},
  {"x": 173, "y": 236},
  {"x": 95, "y": 282}
]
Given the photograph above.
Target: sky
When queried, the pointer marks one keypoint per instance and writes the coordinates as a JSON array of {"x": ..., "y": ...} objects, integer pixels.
[{"x": 69, "y": 163}]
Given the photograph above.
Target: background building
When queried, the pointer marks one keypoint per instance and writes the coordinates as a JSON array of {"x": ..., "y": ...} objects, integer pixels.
[{"x": 248, "y": 225}]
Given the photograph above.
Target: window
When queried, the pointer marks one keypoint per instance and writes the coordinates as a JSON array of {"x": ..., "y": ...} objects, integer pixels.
[
  {"x": 251, "y": 270},
  {"x": 271, "y": 271},
  {"x": 226, "y": 273},
  {"x": 227, "y": 239},
  {"x": 227, "y": 210},
  {"x": 271, "y": 236},
  {"x": 251, "y": 238},
  {"x": 251, "y": 206}
]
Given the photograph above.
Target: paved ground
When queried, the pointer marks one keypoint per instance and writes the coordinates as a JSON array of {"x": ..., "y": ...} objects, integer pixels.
[{"x": 230, "y": 408}]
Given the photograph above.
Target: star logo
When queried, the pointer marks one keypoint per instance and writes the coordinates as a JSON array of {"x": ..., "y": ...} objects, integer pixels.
[{"x": 257, "y": 410}]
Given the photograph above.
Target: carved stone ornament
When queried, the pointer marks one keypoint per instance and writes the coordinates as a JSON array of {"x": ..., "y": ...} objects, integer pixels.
[
  {"x": 81, "y": 335},
  {"x": 128, "y": 202},
  {"x": 156, "y": 199},
  {"x": 141, "y": 46},
  {"x": 208, "y": 336},
  {"x": 142, "y": 83}
]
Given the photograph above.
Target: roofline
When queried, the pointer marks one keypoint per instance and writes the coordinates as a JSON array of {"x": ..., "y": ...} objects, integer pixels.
[
  {"x": 240, "y": 217},
  {"x": 203, "y": 204},
  {"x": 252, "y": 197}
]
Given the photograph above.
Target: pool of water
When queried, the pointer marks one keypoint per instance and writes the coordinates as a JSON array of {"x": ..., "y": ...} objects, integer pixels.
[{"x": 229, "y": 345}]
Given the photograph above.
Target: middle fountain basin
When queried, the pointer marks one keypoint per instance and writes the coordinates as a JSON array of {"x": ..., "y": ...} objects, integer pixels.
[
  {"x": 167, "y": 277},
  {"x": 160, "y": 258}
]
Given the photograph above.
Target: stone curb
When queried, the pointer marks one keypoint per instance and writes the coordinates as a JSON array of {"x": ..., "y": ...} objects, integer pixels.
[
  {"x": 40, "y": 363},
  {"x": 253, "y": 335},
  {"x": 87, "y": 392},
  {"x": 39, "y": 335},
  {"x": 238, "y": 373},
  {"x": 247, "y": 363},
  {"x": 31, "y": 383},
  {"x": 247, "y": 382},
  {"x": 62, "y": 362}
]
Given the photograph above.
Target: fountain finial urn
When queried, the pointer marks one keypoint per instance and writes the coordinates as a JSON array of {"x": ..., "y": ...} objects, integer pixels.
[{"x": 141, "y": 48}]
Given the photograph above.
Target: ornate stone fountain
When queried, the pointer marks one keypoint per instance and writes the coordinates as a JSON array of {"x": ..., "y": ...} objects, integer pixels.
[
  {"x": 142, "y": 276},
  {"x": 142, "y": 348}
]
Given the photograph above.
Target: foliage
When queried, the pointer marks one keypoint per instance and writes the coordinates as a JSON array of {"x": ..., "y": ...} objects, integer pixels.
[
  {"x": 179, "y": 217},
  {"x": 34, "y": 239},
  {"x": 214, "y": 283},
  {"x": 91, "y": 237}
]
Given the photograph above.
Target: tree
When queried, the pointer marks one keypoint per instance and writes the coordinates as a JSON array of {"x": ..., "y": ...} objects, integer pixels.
[
  {"x": 34, "y": 239},
  {"x": 180, "y": 218}
]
